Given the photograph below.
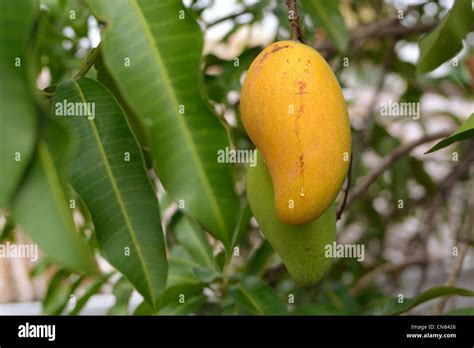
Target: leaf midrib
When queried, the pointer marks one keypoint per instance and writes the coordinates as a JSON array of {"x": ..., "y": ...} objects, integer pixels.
[
  {"x": 167, "y": 82},
  {"x": 119, "y": 199},
  {"x": 250, "y": 298}
]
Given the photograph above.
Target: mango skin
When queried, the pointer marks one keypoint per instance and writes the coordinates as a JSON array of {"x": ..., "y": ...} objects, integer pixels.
[
  {"x": 301, "y": 247},
  {"x": 293, "y": 109}
]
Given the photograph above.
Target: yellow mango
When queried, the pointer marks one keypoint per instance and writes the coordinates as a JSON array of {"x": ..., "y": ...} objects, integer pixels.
[
  {"x": 301, "y": 247},
  {"x": 293, "y": 110}
]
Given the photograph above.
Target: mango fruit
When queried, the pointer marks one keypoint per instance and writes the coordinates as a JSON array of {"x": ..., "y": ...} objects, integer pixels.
[
  {"x": 293, "y": 110},
  {"x": 301, "y": 247}
]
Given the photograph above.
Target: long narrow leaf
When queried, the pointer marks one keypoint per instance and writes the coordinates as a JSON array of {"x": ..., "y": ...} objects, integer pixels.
[
  {"x": 255, "y": 295},
  {"x": 431, "y": 294},
  {"x": 41, "y": 207},
  {"x": 189, "y": 307},
  {"x": 18, "y": 117},
  {"x": 109, "y": 174},
  {"x": 60, "y": 288},
  {"x": 192, "y": 238},
  {"x": 93, "y": 289},
  {"x": 178, "y": 295},
  {"x": 153, "y": 50},
  {"x": 464, "y": 132},
  {"x": 446, "y": 40}
]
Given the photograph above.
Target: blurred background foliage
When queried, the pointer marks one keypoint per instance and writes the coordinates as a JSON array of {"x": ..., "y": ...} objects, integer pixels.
[{"x": 409, "y": 208}]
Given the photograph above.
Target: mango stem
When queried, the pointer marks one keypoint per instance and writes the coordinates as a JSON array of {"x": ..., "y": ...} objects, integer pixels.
[{"x": 293, "y": 19}]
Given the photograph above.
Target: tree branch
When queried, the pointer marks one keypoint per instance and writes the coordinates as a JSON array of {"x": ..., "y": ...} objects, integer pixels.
[
  {"x": 390, "y": 160},
  {"x": 346, "y": 191},
  {"x": 435, "y": 204},
  {"x": 424, "y": 234},
  {"x": 226, "y": 18},
  {"x": 296, "y": 33},
  {"x": 465, "y": 237},
  {"x": 369, "y": 277},
  {"x": 454, "y": 274},
  {"x": 384, "y": 28},
  {"x": 444, "y": 186}
]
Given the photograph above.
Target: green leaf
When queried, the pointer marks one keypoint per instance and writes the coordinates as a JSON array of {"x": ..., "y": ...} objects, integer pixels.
[
  {"x": 320, "y": 309},
  {"x": 464, "y": 132},
  {"x": 193, "y": 239},
  {"x": 421, "y": 176},
  {"x": 181, "y": 281},
  {"x": 7, "y": 233},
  {"x": 103, "y": 76},
  {"x": 189, "y": 307},
  {"x": 18, "y": 116},
  {"x": 178, "y": 295},
  {"x": 460, "y": 311},
  {"x": 41, "y": 207},
  {"x": 338, "y": 296},
  {"x": 255, "y": 295},
  {"x": 446, "y": 40},
  {"x": 326, "y": 14},
  {"x": 243, "y": 221},
  {"x": 206, "y": 275},
  {"x": 181, "y": 268},
  {"x": 221, "y": 260},
  {"x": 431, "y": 294},
  {"x": 144, "y": 308},
  {"x": 218, "y": 86},
  {"x": 39, "y": 268},
  {"x": 122, "y": 291},
  {"x": 259, "y": 260},
  {"x": 109, "y": 174},
  {"x": 93, "y": 289},
  {"x": 59, "y": 291},
  {"x": 162, "y": 85}
]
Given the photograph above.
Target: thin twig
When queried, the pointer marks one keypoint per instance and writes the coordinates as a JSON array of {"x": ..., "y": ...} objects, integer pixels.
[
  {"x": 465, "y": 238},
  {"x": 424, "y": 234},
  {"x": 346, "y": 190},
  {"x": 293, "y": 19},
  {"x": 369, "y": 277},
  {"x": 89, "y": 62},
  {"x": 390, "y": 160},
  {"x": 435, "y": 204},
  {"x": 443, "y": 189},
  {"x": 226, "y": 18},
  {"x": 444, "y": 186},
  {"x": 454, "y": 274},
  {"x": 387, "y": 63},
  {"x": 384, "y": 28}
]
